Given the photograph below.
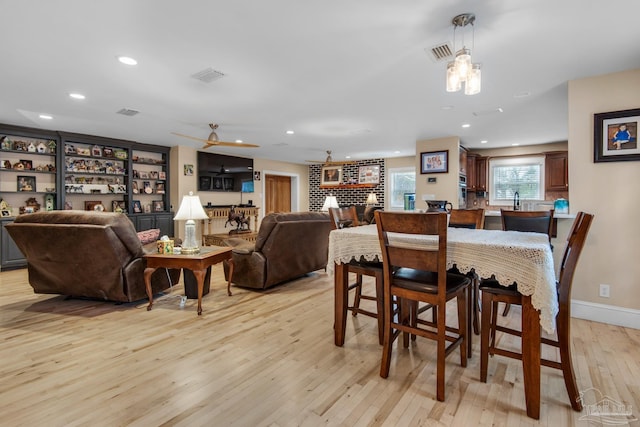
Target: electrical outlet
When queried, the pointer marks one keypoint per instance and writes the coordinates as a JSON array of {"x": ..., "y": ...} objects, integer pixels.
[{"x": 605, "y": 291}]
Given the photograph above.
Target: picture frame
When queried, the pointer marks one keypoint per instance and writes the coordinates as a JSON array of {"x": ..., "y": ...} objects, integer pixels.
[
  {"x": 158, "y": 205},
  {"x": 615, "y": 136},
  {"x": 256, "y": 175},
  {"x": 5, "y": 213},
  {"x": 162, "y": 175},
  {"x": 93, "y": 205},
  {"x": 137, "y": 206},
  {"x": 134, "y": 187},
  {"x": 119, "y": 206},
  {"x": 143, "y": 175},
  {"x": 434, "y": 162},
  {"x": 96, "y": 151},
  {"x": 188, "y": 170},
  {"x": 159, "y": 187},
  {"x": 107, "y": 152},
  {"x": 27, "y": 164},
  {"x": 369, "y": 174},
  {"x": 26, "y": 184},
  {"x": 153, "y": 175},
  {"x": 331, "y": 175}
]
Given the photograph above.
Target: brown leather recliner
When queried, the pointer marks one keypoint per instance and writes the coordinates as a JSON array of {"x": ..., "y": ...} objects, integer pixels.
[
  {"x": 86, "y": 254},
  {"x": 288, "y": 245}
]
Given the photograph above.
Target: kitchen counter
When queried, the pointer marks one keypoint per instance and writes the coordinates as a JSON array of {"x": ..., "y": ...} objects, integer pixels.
[{"x": 555, "y": 215}]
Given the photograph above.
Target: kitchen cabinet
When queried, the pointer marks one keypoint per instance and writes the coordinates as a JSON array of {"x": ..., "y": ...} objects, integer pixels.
[
  {"x": 471, "y": 171},
  {"x": 163, "y": 221},
  {"x": 481, "y": 173},
  {"x": 476, "y": 172},
  {"x": 557, "y": 171},
  {"x": 463, "y": 161}
]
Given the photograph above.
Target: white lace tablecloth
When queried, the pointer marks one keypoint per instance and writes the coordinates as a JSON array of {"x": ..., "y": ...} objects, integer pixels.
[{"x": 512, "y": 256}]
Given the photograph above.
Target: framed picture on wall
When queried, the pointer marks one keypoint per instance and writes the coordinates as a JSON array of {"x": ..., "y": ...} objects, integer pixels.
[
  {"x": 434, "y": 162},
  {"x": 369, "y": 174},
  {"x": 615, "y": 136},
  {"x": 331, "y": 175}
]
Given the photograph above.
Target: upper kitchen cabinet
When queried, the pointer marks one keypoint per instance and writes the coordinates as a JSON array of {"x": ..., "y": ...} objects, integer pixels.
[{"x": 557, "y": 171}]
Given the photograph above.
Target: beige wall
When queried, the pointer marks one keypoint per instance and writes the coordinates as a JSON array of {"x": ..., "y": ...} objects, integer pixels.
[
  {"x": 608, "y": 190},
  {"x": 181, "y": 184},
  {"x": 446, "y": 187}
]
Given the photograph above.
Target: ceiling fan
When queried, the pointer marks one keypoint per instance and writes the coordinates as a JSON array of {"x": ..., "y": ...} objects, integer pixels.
[
  {"x": 330, "y": 162},
  {"x": 212, "y": 140}
]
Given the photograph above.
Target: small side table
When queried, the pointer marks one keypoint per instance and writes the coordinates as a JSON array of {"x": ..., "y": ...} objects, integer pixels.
[{"x": 198, "y": 263}]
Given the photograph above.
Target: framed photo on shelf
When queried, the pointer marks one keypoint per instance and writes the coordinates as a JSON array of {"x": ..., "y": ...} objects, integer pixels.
[
  {"x": 144, "y": 175},
  {"x": 162, "y": 175},
  {"x": 119, "y": 206},
  {"x": 159, "y": 187},
  {"x": 107, "y": 152},
  {"x": 615, "y": 136},
  {"x": 331, "y": 175},
  {"x": 434, "y": 162},
  {"x": 146, "y": 187},
  {"x": 158, "y": 206},
  {"x": 5, "y": 213},
  {"x": 137, "y": 206},
  {"x": 369, "y": 174},
  {"x": 153, "y": 175},
  {"x": 96, "y": 151},
  {"x": 26, "y": 183},
  {"x": 134, "y": 187},
  {"x": 93, "y": 205}
]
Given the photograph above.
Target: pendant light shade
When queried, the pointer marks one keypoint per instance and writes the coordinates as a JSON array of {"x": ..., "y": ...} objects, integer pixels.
[{"x": 462, "y": 69}]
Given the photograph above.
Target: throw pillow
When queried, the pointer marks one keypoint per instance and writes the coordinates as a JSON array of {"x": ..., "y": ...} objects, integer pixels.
[{"x": 149, "y": 236}]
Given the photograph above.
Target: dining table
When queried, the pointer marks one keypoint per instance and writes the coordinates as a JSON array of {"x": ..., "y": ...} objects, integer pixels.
[{"x": 523, "y": 258}]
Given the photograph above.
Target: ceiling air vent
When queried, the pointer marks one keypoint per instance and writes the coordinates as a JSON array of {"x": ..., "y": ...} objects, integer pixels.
[
  {"x": 127, "y": 112},
  {"x": 441, "y": 52},
  {"x": 208, "y": 75}
]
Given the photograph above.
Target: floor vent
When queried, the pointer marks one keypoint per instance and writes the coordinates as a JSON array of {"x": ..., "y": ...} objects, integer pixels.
[{"x": 208, "y": 75}]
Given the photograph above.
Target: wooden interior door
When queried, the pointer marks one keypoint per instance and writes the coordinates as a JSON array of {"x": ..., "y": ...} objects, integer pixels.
[{"x": 277, "y": 196}]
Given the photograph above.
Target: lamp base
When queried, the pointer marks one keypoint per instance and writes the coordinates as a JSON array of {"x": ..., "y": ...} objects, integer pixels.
[{"x": 190, "y": 251}]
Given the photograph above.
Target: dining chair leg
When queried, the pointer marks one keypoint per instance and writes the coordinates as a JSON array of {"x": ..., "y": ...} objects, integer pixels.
[
  {"x": 463, "y": 325},
  {"x": 407, "y": 317},
  {"x": 566, "y": 361},
  {"x": 531, "y": 357},
  {"x": 380, "y": 306},
  {"x": 494, "y": 322},
  {"x": 441, "y": 352},
  {"x": 387, "y": 343},
  {"x": 358, "y": 294},
  {"x": 484, "y": 335}
]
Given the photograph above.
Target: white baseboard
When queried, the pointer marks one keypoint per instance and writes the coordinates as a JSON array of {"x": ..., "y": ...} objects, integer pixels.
[{"x": 603, "y": 313}]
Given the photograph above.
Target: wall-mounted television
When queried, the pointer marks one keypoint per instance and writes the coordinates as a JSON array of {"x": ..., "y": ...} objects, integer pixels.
[{"x": 219, "y": 172}]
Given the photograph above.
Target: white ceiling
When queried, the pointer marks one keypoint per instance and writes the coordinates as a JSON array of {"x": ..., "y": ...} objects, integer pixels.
[{"x": 352, "y": 76}]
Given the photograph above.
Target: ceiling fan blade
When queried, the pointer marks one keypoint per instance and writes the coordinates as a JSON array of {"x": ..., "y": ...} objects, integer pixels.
[
  {"x": 190, "y": 137},
  {"x": 229, "y": 144}
]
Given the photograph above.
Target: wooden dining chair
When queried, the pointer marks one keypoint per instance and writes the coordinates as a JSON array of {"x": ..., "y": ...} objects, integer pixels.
[
  {"x": 472, "y": 219},
  {"x": 532, "y": 221},
  {"x": 348, "y": 217},
  {"x": 490, "y": 296},
  {"x": 417, "y": 272},
  {"x": 467, "y": 218}
]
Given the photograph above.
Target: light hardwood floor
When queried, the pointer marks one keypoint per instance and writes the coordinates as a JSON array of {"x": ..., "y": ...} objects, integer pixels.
[{"x": 266, "y": 359}]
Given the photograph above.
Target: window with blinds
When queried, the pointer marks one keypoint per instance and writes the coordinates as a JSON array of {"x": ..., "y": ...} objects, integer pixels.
[
  {"x": 400, "y": 181},
  {"x": 522, "y": 174}
]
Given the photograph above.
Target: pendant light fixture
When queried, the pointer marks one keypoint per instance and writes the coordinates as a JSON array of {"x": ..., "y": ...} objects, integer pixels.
[{"x": 462, "y": 69}]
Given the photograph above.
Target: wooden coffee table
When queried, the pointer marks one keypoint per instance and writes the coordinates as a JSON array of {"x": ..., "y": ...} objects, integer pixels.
[{"x": 198, "y": 263}]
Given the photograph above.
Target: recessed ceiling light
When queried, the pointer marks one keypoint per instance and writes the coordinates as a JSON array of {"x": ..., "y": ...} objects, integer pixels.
[
  {"x": 347, "y": 157},
  {"x": 46, "y": 116},
  {"x": 77, "y": 96},
  {"x": 396, "y": 152},
  {"x": 466, "y": 125},
  {"x": 290, "y": 132},
  {"x": 127, "y": 60},
  {"x": 515, "y": 144},
  {"x": 239, "y": 141},
  {"x": 484, "y": 141}
]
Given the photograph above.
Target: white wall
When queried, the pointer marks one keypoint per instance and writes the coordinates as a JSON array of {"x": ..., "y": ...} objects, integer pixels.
[{"x": 608, "y": 190}]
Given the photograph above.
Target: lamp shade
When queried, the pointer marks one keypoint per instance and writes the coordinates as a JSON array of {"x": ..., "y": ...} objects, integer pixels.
[
  {"x": 329, "y": 202},
  {"x": 191, "y": 208},
  {"x": 372, "y": 199}
]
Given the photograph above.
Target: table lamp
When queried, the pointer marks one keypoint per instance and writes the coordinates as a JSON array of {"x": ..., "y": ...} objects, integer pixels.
[
  {"x": 329, "y": 202},
  {"x": 190, "y": 210},
  {"x": 372, "y": 199}
]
